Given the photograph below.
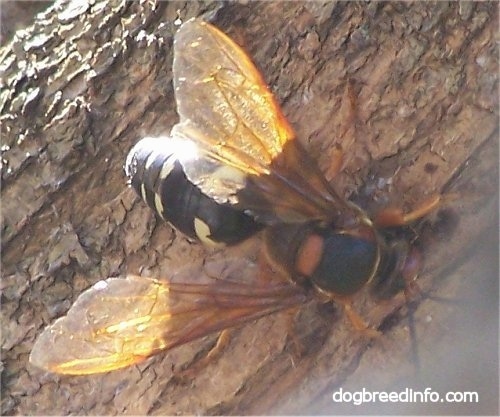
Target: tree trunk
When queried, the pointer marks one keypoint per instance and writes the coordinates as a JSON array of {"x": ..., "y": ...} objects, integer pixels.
[{"x": 85, "y": 82}]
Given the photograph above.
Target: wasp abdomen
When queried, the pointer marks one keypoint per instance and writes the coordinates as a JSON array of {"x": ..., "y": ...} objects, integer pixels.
[{"x": 155, "y": 170}]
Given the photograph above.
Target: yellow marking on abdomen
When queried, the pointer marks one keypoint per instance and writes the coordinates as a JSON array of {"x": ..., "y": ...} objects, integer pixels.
[
  {"x": 203, "y": 232},
  {"x": 158, "y": 204}
]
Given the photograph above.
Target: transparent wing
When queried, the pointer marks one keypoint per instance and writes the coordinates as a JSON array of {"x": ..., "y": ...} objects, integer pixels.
[
  {"x": 122, "y": 321},
  {"x": 222, "y": 97},
  {"x": 227, "y": 109}
]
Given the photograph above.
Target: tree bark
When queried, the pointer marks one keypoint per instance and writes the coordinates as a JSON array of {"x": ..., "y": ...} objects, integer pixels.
[{"x": 85, "y": 82}]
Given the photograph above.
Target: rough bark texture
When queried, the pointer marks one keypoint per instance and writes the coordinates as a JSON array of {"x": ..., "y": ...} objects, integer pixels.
[{"x": 83, "y": 83}]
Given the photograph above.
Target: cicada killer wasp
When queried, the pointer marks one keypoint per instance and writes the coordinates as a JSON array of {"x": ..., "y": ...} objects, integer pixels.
[{"x": 229, "y": 167}]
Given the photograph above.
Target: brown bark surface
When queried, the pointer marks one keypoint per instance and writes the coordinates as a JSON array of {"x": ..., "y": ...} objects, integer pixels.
[{"x": 84, "y": 83}]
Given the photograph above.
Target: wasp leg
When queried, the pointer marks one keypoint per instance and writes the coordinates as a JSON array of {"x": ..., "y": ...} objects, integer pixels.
[
  {"x": 409, "y": 272},
  {"x": 352, "y": 116},
  {"x": 412, "y": 293},
  {"x": 357, "y": 321},
  {"x": 297, "y": 347},
  {"x": 347, "y": 131},
  {"x": 336, "y": 163},
  {"x": 308, "y": 329},
  {"x": 213, "y": 354}
]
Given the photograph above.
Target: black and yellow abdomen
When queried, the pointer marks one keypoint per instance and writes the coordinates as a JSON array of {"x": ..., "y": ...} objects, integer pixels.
[{"x": 155, "y": 170}]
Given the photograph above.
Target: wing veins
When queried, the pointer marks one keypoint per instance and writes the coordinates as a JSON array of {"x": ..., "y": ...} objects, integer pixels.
[
  {"x": 241, "y": 70},
  {"x": 223, "y": 50},
  {"x": 241, "y": 120},
  {"x": 237, "y": 122},
  {"x": 165, "y": 316}
]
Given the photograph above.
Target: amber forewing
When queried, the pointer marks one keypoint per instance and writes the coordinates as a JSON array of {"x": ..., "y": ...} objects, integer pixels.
[
  {"x": 226, "y": 108},
  {"x": 122, "y": 321},
  {"x": 223, "y": 100}
]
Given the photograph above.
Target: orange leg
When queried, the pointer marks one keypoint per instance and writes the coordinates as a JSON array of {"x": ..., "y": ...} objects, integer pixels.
[
  {"x": 212, "y": 355},
  {"x": 337, "y": 162},
  {"x": 356, "y": 320},
  {"x": 351, "y": 119},
  {"x": 297, "y": 347},
  {"x": 410, "y": 271},
  {"x": 348, "y": 128}
]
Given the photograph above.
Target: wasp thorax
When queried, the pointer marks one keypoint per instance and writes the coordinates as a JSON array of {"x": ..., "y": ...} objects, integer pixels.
[
  {"x": 335, "y": 262},
  {"x": 155, "y": 169}
]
